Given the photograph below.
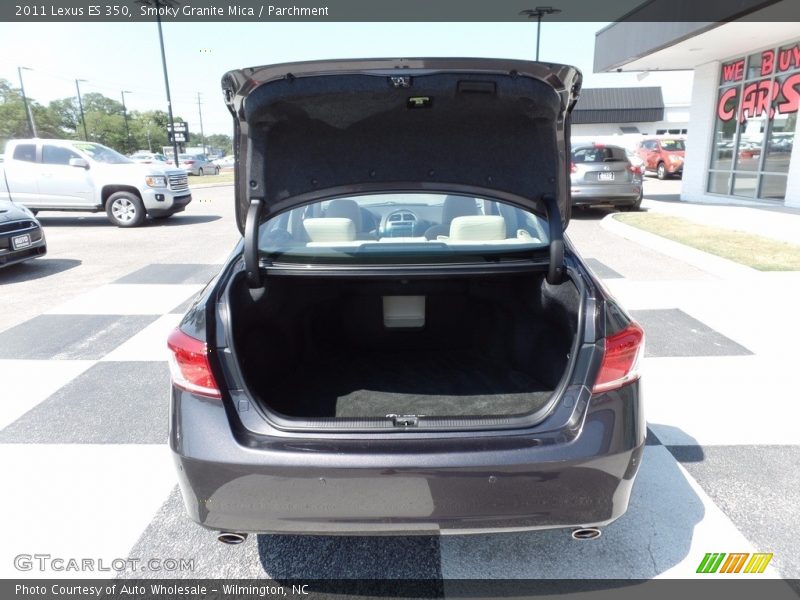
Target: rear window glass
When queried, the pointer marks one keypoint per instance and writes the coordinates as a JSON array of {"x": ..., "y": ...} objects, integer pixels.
[
  {"x": 598, "y": 154},
  {"x": 402, "y": 229},
  {"x": 26, "y": 152}
]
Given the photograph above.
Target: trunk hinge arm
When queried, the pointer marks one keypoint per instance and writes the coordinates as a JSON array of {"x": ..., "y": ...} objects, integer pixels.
[
  {"x": 555, "y": 272},
  {"x": 252, "y": 269}
]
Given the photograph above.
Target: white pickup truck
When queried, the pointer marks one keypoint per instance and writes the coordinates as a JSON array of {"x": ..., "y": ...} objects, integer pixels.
[{"x": 45, "y": 174}]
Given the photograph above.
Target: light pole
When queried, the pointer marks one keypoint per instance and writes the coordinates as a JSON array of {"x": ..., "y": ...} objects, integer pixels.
[
  {"x": 157, "y": 4},
  {"x": 125, "y": 114},
  {"x": 31, "y": 124},
  {"x": 80, "y": 105},
  {"x": 539, "y": 12},
  {"x": 202, "y": 135}
]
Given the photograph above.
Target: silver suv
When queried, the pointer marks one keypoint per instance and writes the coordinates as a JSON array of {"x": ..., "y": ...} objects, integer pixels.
[{"x": 602, "y": 174}]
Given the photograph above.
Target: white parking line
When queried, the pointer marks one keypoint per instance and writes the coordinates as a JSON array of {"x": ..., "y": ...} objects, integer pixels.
[
  {"x": 27, "y": 382},
  {"x": 128, "y": 299}
]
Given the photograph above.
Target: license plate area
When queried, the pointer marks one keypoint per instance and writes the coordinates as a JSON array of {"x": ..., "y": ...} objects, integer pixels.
[
  {"x": 20, "y": 241},
  {"x": 605, "y": 176}
]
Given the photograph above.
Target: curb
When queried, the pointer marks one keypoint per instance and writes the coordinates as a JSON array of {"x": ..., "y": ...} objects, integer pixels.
[
  {"x": 715, "y": 265},
  {"x": 209, "y": 185}
]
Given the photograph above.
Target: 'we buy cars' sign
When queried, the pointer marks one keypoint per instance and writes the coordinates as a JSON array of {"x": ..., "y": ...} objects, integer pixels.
[{"x": 766, "y": 96}]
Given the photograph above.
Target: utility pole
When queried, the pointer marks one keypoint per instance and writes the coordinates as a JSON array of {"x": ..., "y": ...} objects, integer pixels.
[
  {"x": 125, "y": 114},
  {"x": 202, "y": 135},
  {"x": 158, "y": 4},
  {"x": 80, "y": 105},
  {"x": 31, "y": 124},
  {"x": 539, "y": 12}
]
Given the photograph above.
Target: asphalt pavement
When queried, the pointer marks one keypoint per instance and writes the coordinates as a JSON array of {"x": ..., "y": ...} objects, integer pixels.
[{"x": 83, "y": 440}]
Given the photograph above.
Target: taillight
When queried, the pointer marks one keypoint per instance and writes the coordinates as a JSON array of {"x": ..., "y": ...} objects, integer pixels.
[
  {"x": 635, "y": 169},
  {"x": 623, "y": 353},
  {"x": 188, "y": 162},
  {"x": 573, "y": 168},
  {"x": 188, "y": 365}
]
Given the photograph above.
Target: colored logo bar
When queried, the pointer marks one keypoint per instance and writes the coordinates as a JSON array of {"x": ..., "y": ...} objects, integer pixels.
[{"x": 737, "y": 562}]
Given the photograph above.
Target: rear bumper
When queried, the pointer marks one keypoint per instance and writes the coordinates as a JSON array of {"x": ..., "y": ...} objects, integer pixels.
[
  {"x": 406, "y": 486},
  {"x": 606, "y": 194}
]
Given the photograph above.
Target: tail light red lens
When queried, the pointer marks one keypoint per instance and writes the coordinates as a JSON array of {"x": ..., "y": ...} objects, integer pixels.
[
  {"x": 623, "y": 355},
  {"x": 189, "y": 365},
  {"x": 573, "y": 168},
  {"x": 635, "y": 170},
  {"x": 188, "y": 162}
]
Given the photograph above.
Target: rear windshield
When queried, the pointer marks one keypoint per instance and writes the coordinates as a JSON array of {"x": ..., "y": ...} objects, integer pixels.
[
  {"x": 598, "y": 154},
  {"x": 671, "y": 145},
  {"x": 402, "y": 229}
]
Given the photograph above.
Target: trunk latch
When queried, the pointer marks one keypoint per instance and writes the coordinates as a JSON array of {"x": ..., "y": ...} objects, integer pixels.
[{"x": 404, "y": 420}]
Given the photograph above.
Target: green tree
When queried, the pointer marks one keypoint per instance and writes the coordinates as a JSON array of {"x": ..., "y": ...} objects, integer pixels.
[
  {"x": 14, "y": 119},
  {"x": 221, "y": 141}
]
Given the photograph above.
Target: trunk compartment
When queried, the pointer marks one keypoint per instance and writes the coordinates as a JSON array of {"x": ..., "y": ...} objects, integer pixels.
[{"x": 349, "y": 348}]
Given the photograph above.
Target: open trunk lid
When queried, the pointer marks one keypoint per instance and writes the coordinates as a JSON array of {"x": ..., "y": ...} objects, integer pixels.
[{"x": 306, "y": 131}]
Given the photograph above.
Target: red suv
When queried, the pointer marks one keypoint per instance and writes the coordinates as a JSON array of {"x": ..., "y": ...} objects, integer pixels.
[{"x": 662, "y": 156}]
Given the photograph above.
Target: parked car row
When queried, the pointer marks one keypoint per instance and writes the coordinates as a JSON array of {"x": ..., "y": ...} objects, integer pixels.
[{"x": 193, "y": 164}]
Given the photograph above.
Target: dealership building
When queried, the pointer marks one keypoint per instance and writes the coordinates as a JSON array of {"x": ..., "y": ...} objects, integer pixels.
[{"x": 745, "y": 97}]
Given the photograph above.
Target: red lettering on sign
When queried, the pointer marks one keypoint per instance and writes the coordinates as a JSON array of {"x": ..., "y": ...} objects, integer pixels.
[
  {"x": 747, "y": 108},
  {"x": 757, "y": 100},
  {"x": 791, "y": 91},
  {"x": 767, "y": 62},
  {"x": 733, "y": 71},
  {"x": 723, "y": 112},
  {"x": 789, "y": 58}
]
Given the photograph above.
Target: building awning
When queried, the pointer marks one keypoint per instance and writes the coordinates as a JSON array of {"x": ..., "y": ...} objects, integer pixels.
[
  {"x": 682, "y": 34},
  {"x": 619, "y": 105}
]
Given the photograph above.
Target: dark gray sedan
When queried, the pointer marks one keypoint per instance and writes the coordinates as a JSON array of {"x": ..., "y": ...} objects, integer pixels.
[
  {"x": 21, "y": 235},
  {"x": 602, "y": 174},
  {"x": 403, "y": 340}
]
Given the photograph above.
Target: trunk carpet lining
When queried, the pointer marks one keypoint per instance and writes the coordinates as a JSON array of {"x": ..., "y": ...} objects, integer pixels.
[{"x": 428, "y": 382}]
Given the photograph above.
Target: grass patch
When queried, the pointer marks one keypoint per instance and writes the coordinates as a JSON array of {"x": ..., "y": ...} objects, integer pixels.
[
  {"x": 756, "y": 251},
  {"x": 223, "y": 177}
]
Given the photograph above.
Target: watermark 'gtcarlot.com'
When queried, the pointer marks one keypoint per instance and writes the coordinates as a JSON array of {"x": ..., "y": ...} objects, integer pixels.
[{"x": 47, "y": 562}]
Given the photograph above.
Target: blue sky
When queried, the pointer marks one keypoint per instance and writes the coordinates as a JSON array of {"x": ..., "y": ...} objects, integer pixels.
[{"x": 117, "y": 56}]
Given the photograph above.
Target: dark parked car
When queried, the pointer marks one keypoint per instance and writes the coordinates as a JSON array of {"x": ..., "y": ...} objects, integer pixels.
[
  {"x": 603, "y": 174},
  {"x": 21, "y": 235},
  {"x": 404, "y": 341}
]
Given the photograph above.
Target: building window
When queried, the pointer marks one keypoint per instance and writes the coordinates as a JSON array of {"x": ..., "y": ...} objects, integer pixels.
[{"x": 756, "y": 117}]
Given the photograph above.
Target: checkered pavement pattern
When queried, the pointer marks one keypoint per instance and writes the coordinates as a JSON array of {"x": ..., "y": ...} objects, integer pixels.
[{"x": 83, "y": 431}]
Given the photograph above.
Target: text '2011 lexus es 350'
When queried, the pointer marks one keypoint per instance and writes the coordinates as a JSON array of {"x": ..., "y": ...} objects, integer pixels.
[{"x": 404, "y": 341}]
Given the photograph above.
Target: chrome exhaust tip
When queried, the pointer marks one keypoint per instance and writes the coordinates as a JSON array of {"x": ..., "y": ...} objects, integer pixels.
[
  {"x": 231, "y": 538},
  {"x": 586, "y": 533}
]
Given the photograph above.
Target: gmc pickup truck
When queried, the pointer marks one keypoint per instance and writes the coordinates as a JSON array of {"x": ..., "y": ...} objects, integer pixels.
[{"x": 45, "y": 174}]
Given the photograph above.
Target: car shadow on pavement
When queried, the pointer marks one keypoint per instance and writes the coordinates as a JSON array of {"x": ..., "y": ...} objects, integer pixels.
[
  {"x": 36, "y": 269},
  {"x": 178, "y": 220},
  {"x": 101, "y": 221}
]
